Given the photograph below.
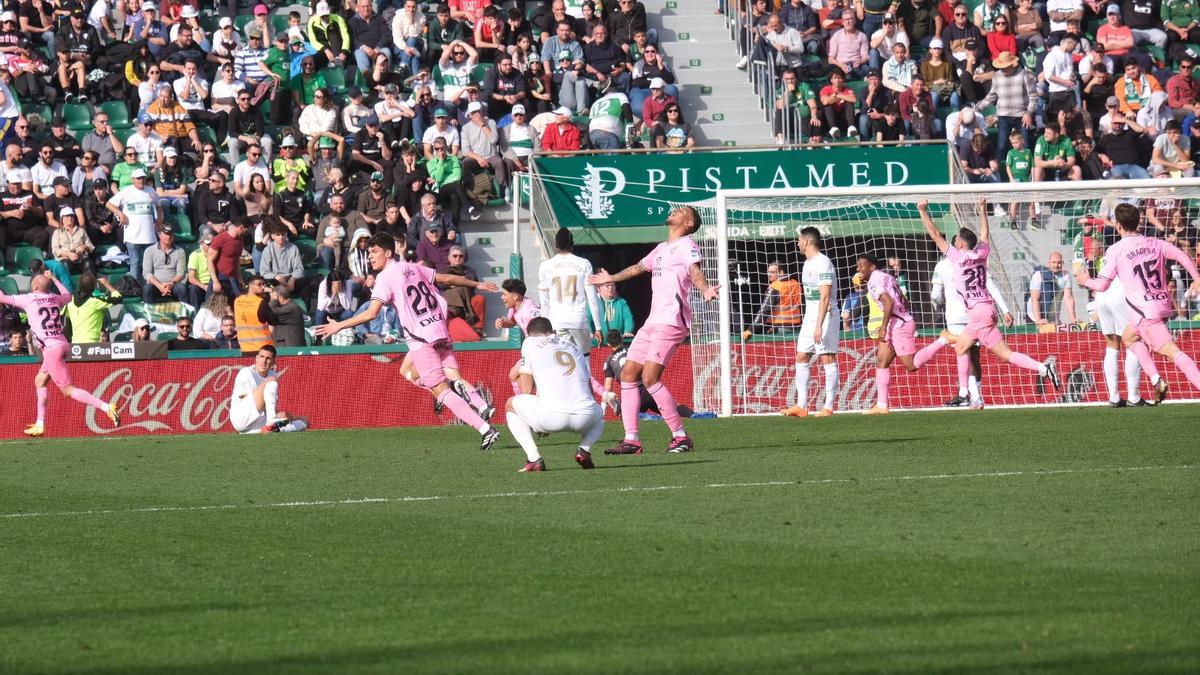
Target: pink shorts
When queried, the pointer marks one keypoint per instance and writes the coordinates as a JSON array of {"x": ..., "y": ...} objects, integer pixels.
[
  {"x": 656, "y": 344},
  {"x": 1153, "y": 332},
  {"x": 902, "y": 336},
  {"x": 54, "y": 364},
  {"x": 431, "y": 362},
  {"x": 981, "y": 326}
]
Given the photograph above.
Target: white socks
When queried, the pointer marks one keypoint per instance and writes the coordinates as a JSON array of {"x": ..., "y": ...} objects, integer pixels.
[
  {"x": 520, "y": 430},
  {"x": 803, "y": 370},
  {"x": 831, "y": 384},
  {"x": 1111, "y": 357},
  {"x": 1133, "y": 377},
  {"x": 294, "y": 426},
  {"x": 973, "y": 390},
  {"x": 270, "y": 399}
]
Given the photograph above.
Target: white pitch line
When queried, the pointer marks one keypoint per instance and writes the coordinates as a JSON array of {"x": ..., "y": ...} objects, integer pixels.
[{"x": 595, "y": 491}]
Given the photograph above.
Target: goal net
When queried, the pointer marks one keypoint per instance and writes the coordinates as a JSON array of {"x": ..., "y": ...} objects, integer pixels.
[{"x": 1039, "y": 235}]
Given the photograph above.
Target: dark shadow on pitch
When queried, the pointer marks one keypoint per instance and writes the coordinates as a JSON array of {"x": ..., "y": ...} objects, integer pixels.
[{"x": 641, "y": 465}]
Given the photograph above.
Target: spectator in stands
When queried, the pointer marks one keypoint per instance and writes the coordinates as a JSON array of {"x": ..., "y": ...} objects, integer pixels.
[
  {"x": 246, "y": 127},
  {"x": 76, "y": 45},
  {"x": 334, "y": 299},
  {"x": 434, "y": 247},
  {"x": 875, "y": 97},
  {"x": 372, "y": 203},
  {"x": 783, "y": 43},
  {"x": 1028, "y": 26},
  {"x": 605, "y": 63},
  {"x": 280, "y": 263},
  {"x": 59, "y": 197},
  {"x": 69, "y": 244},
  {"x": 164, "y": 269},
  {"x": 1181, "y": 19},
  {"x": 408, "y": 32},
  {"x": 1058, "y": 69},
  {"x": 503, "y": 87},
  {"x": 192, "y": 91},
  {"x": 889, "y": 126},
  {"x": 986, "y": 14},
  {"x": 16, "y": 345},
  {"x": 1156, "y": 114},
  {"x": 228, "y": 49},
  {"x": 101, "y": 224},
  {"x": 650, "y": 66},
  {"x": 147, "y": 148},
  {"x": 917, "y": 110},
  {"x": 217, "y": 207},
  {"x": 370, "y": 36},
  {"x": 444, "y": 30},
  {"x": 1182, "y": 88},
  {"x": 305, "y": 86},
  {"x": 64, "y": 148},
  {"x": 339, "y": 184},
  {"x": 329, "y": 35},
  {"x": 334, "y": 229},
  {"x": 326, "y": 163},
  {"x": 276, "y": 64},
  {"x": 225, "y": 259},
  {"x": 978, "y": 160},
  {"x": 673, "y": 133},
  {"x": 1133, "y": 91},
  {"x": 254, "y": 164},
  {"x": 289, "y": 161},
  {"x": 257, "y": 198},
  {"x": 1050, "y": 287},
  {"x": 1144, "y": 19},
  {"x": 481, "y": 147},
  {"x": 1090, "y": 166},
  {"x": 395, "y": 116},
  {"x": 1097, "y": 91},
  {"x": 358, "y": 261},
  {"x": 102, "y": 141},
  {"x": 199, "y": 280},
  {"x": 629, "y": 18},
  {"x": 457, "y": 64},
  {"x": 658, "y": 101},
  {"x": 794, "y": 93},
  {"x": 540, "y": 86},
  {"x": 563, "y": 135},
  {"x": 490, "y": 32},
  {"x": 884, "y": 39},
  {"x": 963, "y": 38},
  {"x": 26, "y": 68},
  {"x": 1014, "y": 93},
  {"x": 563, "y": 58},
  {"x": 1117, "y": 39},
  {"x": 899, "y": 71},
  {"x": 848, "y": 47},
  {"x": 178, "y": 52},
  {"x": 45, "y": 171},
  {"x": 1061, "y": 11},
  {"x": 1054, "y": 156},
  {"x": 172, "y": 178},
  {"x": 184, "y": 340},
  {"x": 1172, "y": 152},
  {"x": 85, "y": 174},
  {"x": 172, "y": 121},
  {"x": 962, "y": 126},
  {"x": 796, "y": 14},
  {"x": 292, "y": 205},
  {"x": 1000, "y": 38},
  {"x": 318, "y": 120},
  {"x": 441, "y": 129},
  {"x": 140, "y": 214},
  {"x": 837, "y": 103}
]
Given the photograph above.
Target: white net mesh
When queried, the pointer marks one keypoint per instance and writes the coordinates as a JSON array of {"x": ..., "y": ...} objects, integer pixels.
[{"x": 1028, "y": 228}]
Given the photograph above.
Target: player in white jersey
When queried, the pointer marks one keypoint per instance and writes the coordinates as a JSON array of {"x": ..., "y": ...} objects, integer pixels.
[
  {"x": 956, "y": 322},
  {"x": 819, "y": 329},
  {"x": 564, "y": 294},
  {"x": 560, "y": 372},
  {"x": 252, "y": 406},
  {"x": 1112, "y": 313}
]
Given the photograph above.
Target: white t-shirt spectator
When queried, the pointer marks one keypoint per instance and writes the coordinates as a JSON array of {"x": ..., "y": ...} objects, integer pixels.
[
  {"x": 147, "y": 148},
  {"x": 1062, "y": 281},
  {"x": 199, "y": 93},
  {"x": 244, "y": 170},
  {"x": 98, "y": 11},
  {"x": 1058, "y": 63},
  {"x": 141, "y": 208},
  {"x": 222, "y": 90},
  {"x": 43, "y": 176},
  {"x": 9, "y": 109},
  {"x": 899, "y": 37},
  {"x": 1068, "y": 6},
  {"x": 433, "y": 133}
]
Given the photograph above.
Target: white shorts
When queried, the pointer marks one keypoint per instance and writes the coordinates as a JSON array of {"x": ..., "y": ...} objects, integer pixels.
[
  {"x": 956, "y": 329},
  {"x": 245, "y": 418},
  {"x": 1114, "y": 316},
  {"x": 580, "y": 336},
  {"x": 535, "y": 414},
  {"x": 829, "y": 341}
]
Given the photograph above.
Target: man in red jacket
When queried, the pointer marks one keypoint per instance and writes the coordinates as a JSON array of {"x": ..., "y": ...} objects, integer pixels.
[{"x": 563, "y": 134}]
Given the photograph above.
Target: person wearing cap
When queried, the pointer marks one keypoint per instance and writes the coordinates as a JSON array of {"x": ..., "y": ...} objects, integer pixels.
[
  {"x": 441, "y": 129},
  {"x": 277, "y": 65},
  {"x": 371, "y": 150},
  {"x": 289, "y": 161},
  {"x": 45, "y": 171},
  {"x": 394, "y": 115},
  {"x": 143, "y": 148},
  {"x": 142, "y": 331},
  {"x": 1117, "y": 38},
  {"x": 65, "y": 148},
  {"x": 171, "y": 179},
  {"x": 324, "y": 165},
  {"x": 563, "y": 135},
  {"x": 518, "y": 140},
  {"x": 226, "y": 44},
  {"x": 260, "y": 22},
  {"x": 372, "y": 203},
  {"x": 443, "y": 30},
  {"x": 164, "y": 268},
  {"x": 939, "y": 74},
  {"x": 652, "y": 108},
  {"x": 881, "y": 41},
  {"x": 355, "y": 110},
  {"x": 76, "y": 45},
  {"x": 70, "y": 244},
  {"x": 60, "y": 197},
  {"x": 199, "y": 277},
  {"x": 138, "y": 210},
  {"x": 436, "y": 239},
  {"x": 26, "y": 68},
  {"x": 24, "y": 220},
  {"x": 1014, "y": 93},
  {"x": 292, "y": 205},
  {"x": 149, "y": 29},
  {"x": 217, "y": 206},
  {"x": 562, "y": 57},
  {"x": 408, "y": 32},
  {"x": 370, "y": 35},
  {"x": 329, "y": 35},
  {"x": 481, "y": 149}
]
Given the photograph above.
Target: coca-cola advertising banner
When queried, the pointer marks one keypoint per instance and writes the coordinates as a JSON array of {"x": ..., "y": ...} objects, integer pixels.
[{"x": 178, "y": 396}]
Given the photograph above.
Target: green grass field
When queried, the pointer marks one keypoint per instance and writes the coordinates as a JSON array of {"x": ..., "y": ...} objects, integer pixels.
[{"x": 997, "y": 542}]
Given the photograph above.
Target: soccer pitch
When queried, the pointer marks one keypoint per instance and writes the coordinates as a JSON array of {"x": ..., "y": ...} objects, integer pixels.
[{"x": 1058, "y": 540}]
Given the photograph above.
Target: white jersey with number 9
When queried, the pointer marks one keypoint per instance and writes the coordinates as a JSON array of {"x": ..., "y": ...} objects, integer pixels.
[{"x": 561, "y": 373}]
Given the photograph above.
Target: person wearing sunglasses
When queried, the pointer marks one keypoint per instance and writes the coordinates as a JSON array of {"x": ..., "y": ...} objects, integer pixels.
[{"x": 457, "y": 62}]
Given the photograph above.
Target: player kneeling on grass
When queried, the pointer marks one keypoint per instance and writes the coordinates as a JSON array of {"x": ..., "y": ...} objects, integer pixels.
[
  {"x": 564, "y": 400},
  {"x": 255, "y": 397},
  {"x": 1138, "y": 262},
  {"x": 897, "y": 330}
]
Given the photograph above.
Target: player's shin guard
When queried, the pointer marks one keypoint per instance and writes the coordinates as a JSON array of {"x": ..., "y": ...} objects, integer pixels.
[
  {"x": 43, "y": 395},
  {"x": 963, "y": 361},
  {"x": 1111, "y": 357},
  {"x": 1133, "y": 377},
  {"x": 1024, "y": 361},
  {"x": 520, "y": 430},
  {"x": 1146, "y": 360},
  {"x": 666, "y": 407},
  {"x": 831, "y": 384},
  {"x": 883, "y": 380},
  {"x": 1188, "y": 366},
  {"x": 803, "y": 372},
  {"x": 463, "y": 411},
  {"x": 927, "y": 352},
  {"x": 87, "y": 398},
  {"x": 631, "y": 403}
]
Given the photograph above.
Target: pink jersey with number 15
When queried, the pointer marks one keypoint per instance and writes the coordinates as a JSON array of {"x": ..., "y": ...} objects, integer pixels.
[
  {"x": 1138, "y": 262},
  {"x": 411, "y": 289},
  {"x": 670, "y": 268},
  {"x": 969, "y": 277}
]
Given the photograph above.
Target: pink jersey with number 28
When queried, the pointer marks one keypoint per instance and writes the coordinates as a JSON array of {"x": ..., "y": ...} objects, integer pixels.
[
  {"x": 411, "y": 289},
  {"x": 670, "y": 268},
  {"x": 1138, "y": 262},
  {"x": 969, "y": 277}
]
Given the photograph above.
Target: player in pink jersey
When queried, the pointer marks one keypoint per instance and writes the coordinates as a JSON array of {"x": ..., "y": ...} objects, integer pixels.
[
  {"x": 968, "y": 263},
  {"x": 1138, "y": 262},
  {"x": 412, "y": 291},
  {"x": 898, "y": 332},
  {"x": 44, "y": 306},
  {"x": 521, "y": 310},
  {"x": 674, "y": 266}
]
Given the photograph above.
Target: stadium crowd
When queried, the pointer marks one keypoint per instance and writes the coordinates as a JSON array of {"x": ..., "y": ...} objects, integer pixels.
[{"x": 187, "y": 146}]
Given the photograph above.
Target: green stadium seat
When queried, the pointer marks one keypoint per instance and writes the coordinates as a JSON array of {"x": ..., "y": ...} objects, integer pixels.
[
  {"x": 184, "y": 232},
  {"x": 308, "y": 252},
  {"x": 19, "y": 257},
  {"x": 9, "y": 286},
  {"x": 118, "y": 114},
  {"x": 479, "y": 72},
  {"x": 239, "y": 22},
  {"x": 44, "y": 110},
  {"x": 501, "y": 199},
  {"x": 279, "y": 23},
  {"x": 211, "y": 23},
  {"x": 78, "y": 116},
  {"x": 335, "y": 79}
]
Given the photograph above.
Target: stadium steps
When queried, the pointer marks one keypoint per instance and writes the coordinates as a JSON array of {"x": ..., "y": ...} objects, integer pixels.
[
  {"x": 489, "y": 244},
  {"x": 716, "y": 97}
]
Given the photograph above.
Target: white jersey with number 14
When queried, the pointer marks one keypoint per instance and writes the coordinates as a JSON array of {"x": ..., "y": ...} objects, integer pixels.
[{"x": 566, "y": 298}]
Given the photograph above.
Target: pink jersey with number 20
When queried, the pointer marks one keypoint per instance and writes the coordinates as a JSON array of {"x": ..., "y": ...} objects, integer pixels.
[
  {"x": 970, "y": 272},
  {"x": 670, "y": 267},
  {"x": 421, "y": 309}
]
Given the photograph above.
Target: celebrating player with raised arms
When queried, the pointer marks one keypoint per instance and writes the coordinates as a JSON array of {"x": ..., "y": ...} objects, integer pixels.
[
  {"x": 897, "y": 332},
  {"x": 956, "y": 323},
  {"x": 968, "y": 258},
  {"x": 819, "y": 329},
  {"x": 44, "y": 306},
  {"x": 566, "y": 298},
  {"x": 674, "y": 266},
  {"x": 411, "y": 289},
  {"x": 563, "y": 402},
  {"x": 521, "y": 310},
  {"x": 1138, "y": 262}
]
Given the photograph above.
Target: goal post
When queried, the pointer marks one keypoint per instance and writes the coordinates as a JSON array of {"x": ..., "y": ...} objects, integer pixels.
[{"x": 745, "y": 231}]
